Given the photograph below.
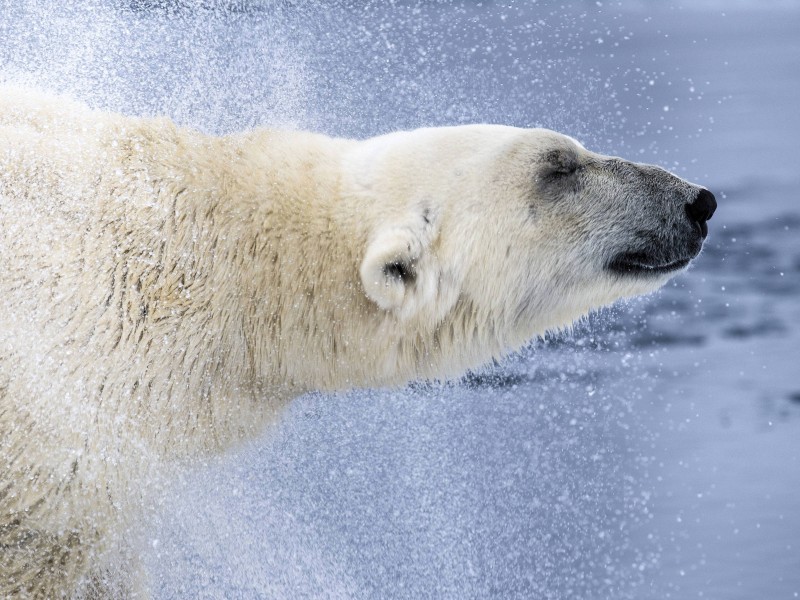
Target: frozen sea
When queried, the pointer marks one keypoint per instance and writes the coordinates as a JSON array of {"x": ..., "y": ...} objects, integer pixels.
[{"x": 653, "y": 452}]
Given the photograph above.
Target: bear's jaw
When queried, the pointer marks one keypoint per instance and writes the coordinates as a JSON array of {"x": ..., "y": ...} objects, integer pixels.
[{"x": 640, "y": 264}]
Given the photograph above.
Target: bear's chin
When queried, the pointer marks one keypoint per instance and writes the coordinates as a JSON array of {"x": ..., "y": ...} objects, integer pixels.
[{"x": 640, "y": 264}]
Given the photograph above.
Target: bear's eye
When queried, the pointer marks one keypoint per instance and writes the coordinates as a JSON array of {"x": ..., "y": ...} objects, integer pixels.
[
  {"x": 564, "y": 171},
  {"x": 560, "y": 164}
]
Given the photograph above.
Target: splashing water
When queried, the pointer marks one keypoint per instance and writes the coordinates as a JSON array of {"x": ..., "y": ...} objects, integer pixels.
[{"x": 537, "y": 478}]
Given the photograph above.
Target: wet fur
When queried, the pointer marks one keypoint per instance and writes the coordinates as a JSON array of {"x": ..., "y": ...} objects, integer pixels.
[{"x": 163, "y": 293}]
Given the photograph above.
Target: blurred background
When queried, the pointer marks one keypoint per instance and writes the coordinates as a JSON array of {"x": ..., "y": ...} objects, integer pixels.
[{"x": 653, "y": 452}]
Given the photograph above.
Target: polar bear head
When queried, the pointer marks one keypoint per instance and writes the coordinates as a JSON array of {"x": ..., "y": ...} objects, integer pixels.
[{"x": 485, "y": 236}]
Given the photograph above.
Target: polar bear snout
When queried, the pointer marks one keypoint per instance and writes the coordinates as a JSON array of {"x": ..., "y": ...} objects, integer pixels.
[
  {"x": 701, "y": 209},
  {"x": 683, "y": 211}
]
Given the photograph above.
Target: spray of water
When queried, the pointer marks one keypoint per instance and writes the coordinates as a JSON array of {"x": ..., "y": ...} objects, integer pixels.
[{"x": 356, "y": 495}]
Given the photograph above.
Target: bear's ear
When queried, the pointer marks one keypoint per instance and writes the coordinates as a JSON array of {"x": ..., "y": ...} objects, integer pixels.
[{"x": 396, "y": 273}]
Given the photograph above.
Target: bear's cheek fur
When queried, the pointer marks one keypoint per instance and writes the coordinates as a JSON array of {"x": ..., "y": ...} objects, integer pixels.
[{"x": 553, "y": 269}]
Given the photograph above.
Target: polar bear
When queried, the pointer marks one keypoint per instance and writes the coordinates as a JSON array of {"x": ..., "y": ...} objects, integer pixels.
[{"x": 165, "y": 293}]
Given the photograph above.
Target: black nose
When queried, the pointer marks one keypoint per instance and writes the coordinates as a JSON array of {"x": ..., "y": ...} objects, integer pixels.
[{"x": 702, "y": 209}]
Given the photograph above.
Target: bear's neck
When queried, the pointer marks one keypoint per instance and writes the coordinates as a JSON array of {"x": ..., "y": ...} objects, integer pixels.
[
  {"x": 261, "y": 287},
  {"x": 256, "y": 294}
]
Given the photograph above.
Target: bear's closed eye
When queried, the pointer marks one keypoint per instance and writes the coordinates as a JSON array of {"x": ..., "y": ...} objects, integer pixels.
[{"x": 561, "y": 162}]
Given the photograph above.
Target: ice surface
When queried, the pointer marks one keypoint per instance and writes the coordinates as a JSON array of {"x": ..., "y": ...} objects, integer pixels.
[{"x": 651, "y": 453}]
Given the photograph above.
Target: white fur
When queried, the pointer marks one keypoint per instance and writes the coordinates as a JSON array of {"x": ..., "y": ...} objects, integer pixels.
[{"x": 163, "y": 294}]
